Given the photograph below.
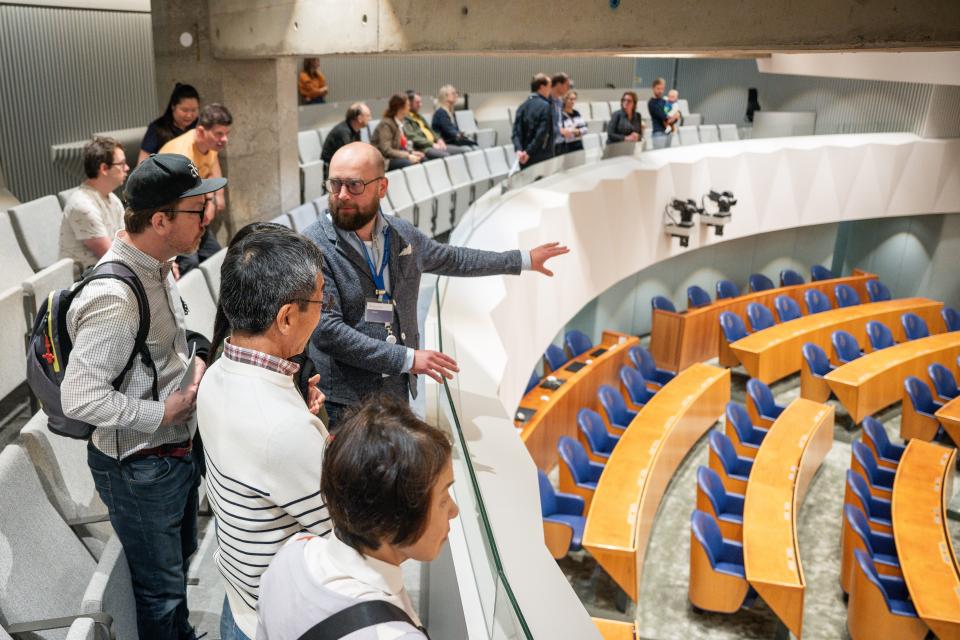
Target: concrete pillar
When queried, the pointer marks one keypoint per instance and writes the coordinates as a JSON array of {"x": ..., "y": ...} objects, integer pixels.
[{"x": 260, "y": 161}]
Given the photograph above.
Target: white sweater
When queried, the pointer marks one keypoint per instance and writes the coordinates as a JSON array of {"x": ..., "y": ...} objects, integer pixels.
[{"x": 264, "y": 451}]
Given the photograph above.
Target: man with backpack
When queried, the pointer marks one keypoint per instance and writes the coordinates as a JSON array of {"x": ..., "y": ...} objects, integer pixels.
[{"x": 140, "y": 452}]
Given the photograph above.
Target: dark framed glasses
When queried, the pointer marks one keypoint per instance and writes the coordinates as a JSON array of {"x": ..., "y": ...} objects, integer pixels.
[
  {"x": 354, "y": 186},
  {"x": 326, "y": 301}
]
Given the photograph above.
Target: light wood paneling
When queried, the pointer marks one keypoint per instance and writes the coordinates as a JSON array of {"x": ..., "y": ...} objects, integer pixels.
[
  {"x": 949, "y": 417},
  {"x": 615, "y": 629}
]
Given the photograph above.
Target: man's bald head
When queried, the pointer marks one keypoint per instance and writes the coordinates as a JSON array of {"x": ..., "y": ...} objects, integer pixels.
[{"x": 356, "y": 160}]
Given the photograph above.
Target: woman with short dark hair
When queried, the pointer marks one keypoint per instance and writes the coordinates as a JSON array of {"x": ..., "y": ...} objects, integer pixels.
[
  {"x": 385, "y": 480},
  {"x": 625, "y": 124}
]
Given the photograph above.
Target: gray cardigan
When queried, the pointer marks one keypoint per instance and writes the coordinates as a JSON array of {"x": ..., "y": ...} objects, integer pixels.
[{"x": 352, "y": 355}]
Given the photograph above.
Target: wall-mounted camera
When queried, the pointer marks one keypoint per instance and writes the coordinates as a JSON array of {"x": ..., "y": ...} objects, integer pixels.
[
  {"x": 715, "y": 210},
  {"x": 678, "y": 219}
]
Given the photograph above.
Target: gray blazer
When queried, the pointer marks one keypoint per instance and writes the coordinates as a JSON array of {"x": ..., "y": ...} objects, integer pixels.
[{"x": 352, "y": 355}]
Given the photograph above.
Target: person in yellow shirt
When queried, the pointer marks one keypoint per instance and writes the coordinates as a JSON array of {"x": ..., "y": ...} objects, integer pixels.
[
  {"x": 312, "y": 83},
  {"x": 203, "y": 145}
]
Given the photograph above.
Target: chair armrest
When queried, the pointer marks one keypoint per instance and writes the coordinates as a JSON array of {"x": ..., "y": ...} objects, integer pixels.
[
  {"x": 110, "y": 588},
  {"x": 886, "y": 476},
  {"x": 570, "y": 504},
  {"x": 732, "y": 552},
  {"x": 99, "y": 618},
  {"x": 883, "y": 542},
  {"x": 557, "y": 536},
  {"x": 895, "y": 587},
  {"x": 595, "y": 470},
  {"x": 59, "y": 275},
  {"x": 736, "y": 502},
  {"x": 880, "y": 507},
  {"x": 91, "y": 519},
  {"x": 82, "y": 629}
]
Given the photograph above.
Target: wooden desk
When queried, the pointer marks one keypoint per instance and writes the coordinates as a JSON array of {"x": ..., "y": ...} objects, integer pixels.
[
  {"x": 615, "y": 629},
  {"x": 949, "y": 417},
  {"x": 640, "y": 468},
  {"x": 775, "y": 353},
  {"x": 875, "y": 380},
  {"x": 920, "y": 494},
  {"x": 786, "y": 462},
  {"x": 556, "y": 411},
  {"x": 679, "y": 339}
]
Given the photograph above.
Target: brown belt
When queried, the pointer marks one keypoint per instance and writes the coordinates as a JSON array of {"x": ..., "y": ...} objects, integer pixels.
[{"x": 171, "y": 450}]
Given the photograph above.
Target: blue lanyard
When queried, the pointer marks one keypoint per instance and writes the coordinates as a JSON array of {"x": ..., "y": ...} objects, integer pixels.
[{"x": 378, "y": 279}]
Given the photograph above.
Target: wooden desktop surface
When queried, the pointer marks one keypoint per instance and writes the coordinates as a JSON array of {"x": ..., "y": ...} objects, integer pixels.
[
  {"x": 615, "y": 629},
  {"x": 875, "y": 380},
  {"x": 949, "y": 417},
  {"x": 775, "y": 353},
  {"x": 786, "y": 462},
  {"x": 677, "y": 340},
  {"x": 640, "y": 468},
  {"x": 556, "y": 411},
  {"x": 920, "y": 493}
]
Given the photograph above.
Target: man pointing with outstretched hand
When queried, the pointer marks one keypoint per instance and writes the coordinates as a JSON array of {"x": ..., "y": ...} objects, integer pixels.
[{"x": 369, "y": 341}]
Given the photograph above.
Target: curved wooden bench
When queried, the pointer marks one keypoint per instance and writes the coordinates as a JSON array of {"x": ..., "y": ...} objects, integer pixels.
[
  {"x": 640, "y": 468},
  {"x": 556, "y": 410},
  {"x": 677, "y": 339},
  {"x": 875, "y": 381},
  {"x": 927, "y": 558},
  {"x": 785, "y": 464},
  {"x": 775, "y": 353},
  {"x": 949, "y": 417}
]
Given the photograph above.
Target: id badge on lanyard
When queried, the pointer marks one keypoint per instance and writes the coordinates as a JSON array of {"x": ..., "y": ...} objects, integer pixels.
[{"x": 379, "y": 310}]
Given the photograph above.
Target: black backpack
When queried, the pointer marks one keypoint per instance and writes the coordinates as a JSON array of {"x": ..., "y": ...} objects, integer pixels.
[
  {"x": 359, "y": 616},
  {"x": 49, "y": 346}
]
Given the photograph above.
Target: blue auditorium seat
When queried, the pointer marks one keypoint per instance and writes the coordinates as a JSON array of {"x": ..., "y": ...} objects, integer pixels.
[
  {"x": 878, "y": 291},
  {"x": 577, "y": 471},
  {"x": 747, "y": 438},
  {"x": 875, "y": 437},
  {"x": 787, "y": 308},
  {"x": 879, "y": 479},
  {"x": 644, "y": 363},
  {"x": 760, "y": 400},
  {"x": 533, "y": 382},
  {"x": 816, "y": 302},
  {"x": 662, "y": 303},
  {"x": 564, "y": 509},
  {"x": 845, "y": 346},
  {"x": 891, "y": 615},
  {"x": 726, "y": 507},
  {"x": 820, "y": 272},
  {"x": 717, "y": 575},
  {"x": 555, "y": 356},
  {"x": 917, "y": 420},
  {"x": 878, "y": 510},
  {"x": 846, "y": 296},
  {"x": 944, "y": 383},
  {"x": 697, "y": 297},
  {"x": 815, "y": 388},
  {"x": 577, "y": 342},
  {"x": 735, "y": 468},
  {"x": 760, "y": 282},
  {"x": 858, "y": 536},
  {"x": 879, "y": 335},
  {"x": 727, "y": 289},
  {"x": 636, "y": 386},
  {"x": 951, "y": 318},
  {"x": 789, "y": 278},
  {"x": 732, "y": 326},
  {"x": 914, "y": 327},
  {"x": 726, "y": 556},
  {"x": 598, "y": 439},
  {"x": 760, "y": 316},
  {"x": 615, "y": 407}
]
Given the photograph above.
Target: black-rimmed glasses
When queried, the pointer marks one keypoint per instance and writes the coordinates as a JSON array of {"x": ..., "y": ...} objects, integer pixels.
[
  {"x": 200, "y": 212},
  {"x": 355, "y": 186},
  {"x": 326, "y": 301}
]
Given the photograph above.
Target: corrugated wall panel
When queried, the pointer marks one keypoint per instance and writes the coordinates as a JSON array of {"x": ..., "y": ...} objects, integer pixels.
[
  {"x": 943, "y": 114},
  {"x": 67, "y": 73}
]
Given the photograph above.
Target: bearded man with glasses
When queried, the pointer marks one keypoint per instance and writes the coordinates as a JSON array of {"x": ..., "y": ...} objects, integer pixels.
[{"x": 369, "y": 341}]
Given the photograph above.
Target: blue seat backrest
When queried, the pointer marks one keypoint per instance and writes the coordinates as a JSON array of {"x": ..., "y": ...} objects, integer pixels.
[
  {"x": 634, "y": 382},
  {"x": 533, "y": 382},
  {"x": 880, "y": 335},
  {"x": 914, "y": 326},
  {"x": 737, "y": 416},
  {"x": 787, "y": 308},
  {"x": 846, "y": 295},
  {"x": 662, "y": 303},
  {"x": 575, "y": 456},
  {"x": 789, "y": 278},
  {"x": 761, "y": 395},
  {"x": 712, "y": 487},
  {"x": 727, "y": 289},
  {"x": 845, "y": 344},
  {"x": 943, "y": 380},
  {"x": 722, "y": 446},
  {"x": 732, "y": 326},
  {"x": 951, "y": 318},
  {"x": 878, "y": 291},
  {"x": 760, "y": 316},
  {"x": 816, "y": 301},
  {"x": 865, "y": 457},
  {"x": 697, "y": 296},
  {"x": 859, "y": 487},
  {"x": 873, "y": 430},
  {"x": 858, "y": 522},
  {"x": 614, "y": 404},
  {"x": 707, "y": 532},
  {"x": 548, "y": 498},
  {"x": 920, "y": 394},
  {"x": 643, "y": 361},
  {"x": 820, "y": 272},
  {"x": 870, "y": 570},
  {"x": 816, "y": 359},
  {"x": 555, "y": 356},
  {"x": 760, "y": 282},
  {"x": 577, "y": 342},
  {"x": 592, "y": 427}
]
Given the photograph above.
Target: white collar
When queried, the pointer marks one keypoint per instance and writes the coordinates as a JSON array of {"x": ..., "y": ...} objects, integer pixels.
[{"x": 378, "y": 574}]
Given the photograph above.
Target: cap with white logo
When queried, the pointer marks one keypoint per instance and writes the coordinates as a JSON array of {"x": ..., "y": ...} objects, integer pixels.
[{"x": 164, "y": 178}]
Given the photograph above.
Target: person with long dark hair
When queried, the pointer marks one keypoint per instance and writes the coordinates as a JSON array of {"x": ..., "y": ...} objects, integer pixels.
[
  {"x": 625, "y": 124},
  {"x": 180, "y": 117}
]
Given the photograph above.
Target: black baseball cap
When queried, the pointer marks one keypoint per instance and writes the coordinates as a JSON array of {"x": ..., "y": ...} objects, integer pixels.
[{"x": 166, "y": 177}]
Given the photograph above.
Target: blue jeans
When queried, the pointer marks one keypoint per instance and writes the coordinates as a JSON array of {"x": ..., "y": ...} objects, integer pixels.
[
  {"x": 228, "y": 627},
  {"x": 660, "y": 140},
  {"x": 153, "y": 509}
]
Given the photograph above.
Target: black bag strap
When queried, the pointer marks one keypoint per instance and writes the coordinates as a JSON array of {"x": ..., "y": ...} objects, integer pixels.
[{"x": 359, "y": 616}]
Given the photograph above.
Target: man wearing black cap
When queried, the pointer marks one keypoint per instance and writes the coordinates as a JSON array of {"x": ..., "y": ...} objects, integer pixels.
[{"x": 141, "y": 453}]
